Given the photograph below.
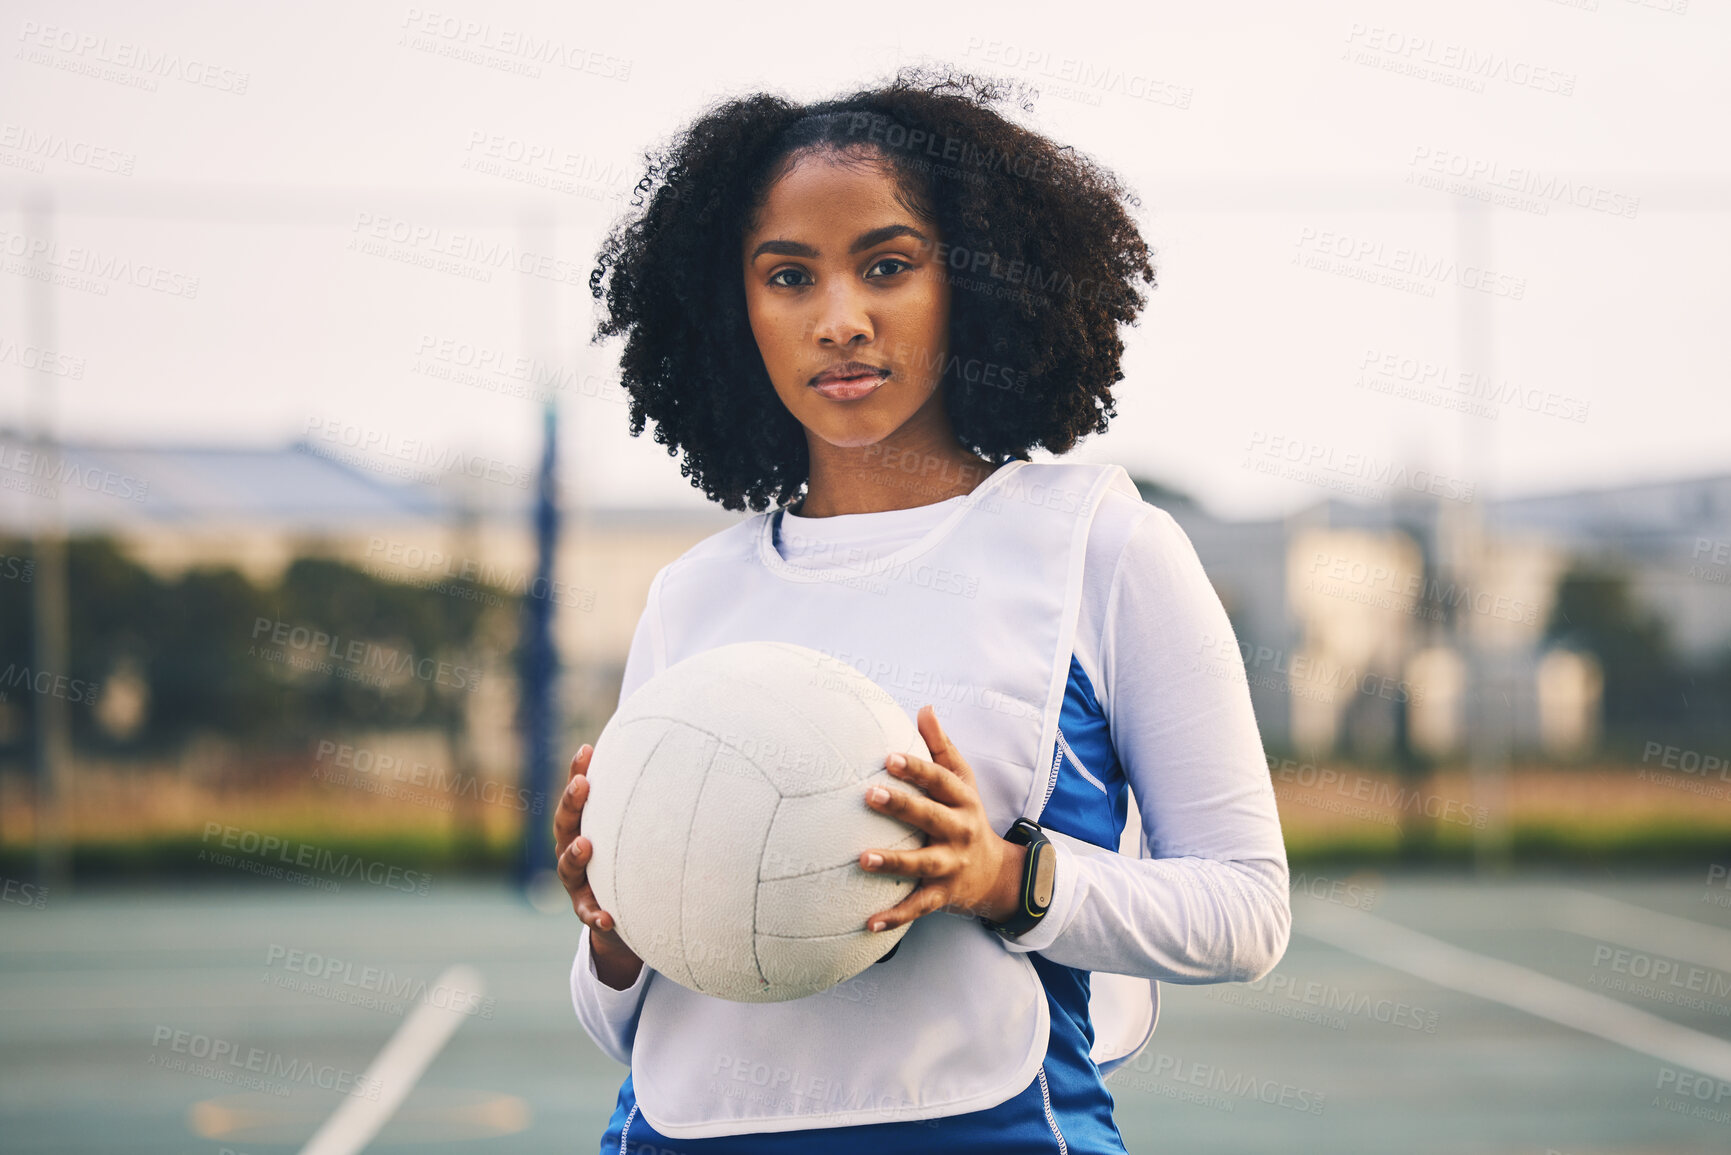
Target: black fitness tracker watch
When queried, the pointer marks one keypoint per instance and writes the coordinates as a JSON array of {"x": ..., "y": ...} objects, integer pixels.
[{"x": 1038, "y": 873}]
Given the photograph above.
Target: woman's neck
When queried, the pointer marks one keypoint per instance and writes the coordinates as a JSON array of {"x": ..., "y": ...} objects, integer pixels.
[{"x": 880, "y": 477}]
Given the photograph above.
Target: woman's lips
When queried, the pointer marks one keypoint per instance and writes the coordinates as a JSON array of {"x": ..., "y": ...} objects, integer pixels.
[{"x": 849, "y": 388}]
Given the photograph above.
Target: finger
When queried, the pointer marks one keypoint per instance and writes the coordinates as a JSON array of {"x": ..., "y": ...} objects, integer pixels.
[
  {"x": 925, "y": 899},
  {"x": 575, "y": 881},
  {"x": 573, "y": 869},
  {"x": 590, "y": 912},
  {"x": 579, "y": 764},
  {"x": 934, "y": 779},
  {"x": 568, "y": 816},
  {"x": 572, "y": 866},
  {"x": 934, "y": 818},
  {"x": 931, "y": 862},
  {"x": 942, "y": 749}
]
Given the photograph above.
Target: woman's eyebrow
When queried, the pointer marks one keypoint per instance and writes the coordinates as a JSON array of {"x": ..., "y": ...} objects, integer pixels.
[{"x": 866, "y": 240}]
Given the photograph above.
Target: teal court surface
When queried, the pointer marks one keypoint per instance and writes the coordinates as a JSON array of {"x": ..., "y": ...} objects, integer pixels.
[{"x": 1413, "y": 1013}]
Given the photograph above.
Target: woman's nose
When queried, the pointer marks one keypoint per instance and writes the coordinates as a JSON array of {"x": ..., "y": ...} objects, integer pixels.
[{"x": 842, "y": 317}]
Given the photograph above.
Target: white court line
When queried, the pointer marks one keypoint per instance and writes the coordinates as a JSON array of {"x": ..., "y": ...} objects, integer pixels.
[
  {"x": 1448, "y": 965},
  {"x": 1594, "y": 916},
  {"x": 396, "y": 1069}
]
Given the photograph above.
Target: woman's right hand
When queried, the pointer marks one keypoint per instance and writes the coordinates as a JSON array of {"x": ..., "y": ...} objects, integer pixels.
[{"x": 615, "y": 963}]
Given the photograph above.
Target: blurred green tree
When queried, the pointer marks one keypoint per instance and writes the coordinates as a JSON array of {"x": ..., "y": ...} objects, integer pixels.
[
  {"x": 1650, "y": 691},
  {"x": 202, "y": 644}
]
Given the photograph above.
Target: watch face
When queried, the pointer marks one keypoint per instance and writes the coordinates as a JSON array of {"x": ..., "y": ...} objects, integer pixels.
[{"x": 1044, "y": 872}]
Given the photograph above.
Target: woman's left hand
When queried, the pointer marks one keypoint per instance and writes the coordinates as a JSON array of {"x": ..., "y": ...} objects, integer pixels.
[{"x": 965, "y": 867}]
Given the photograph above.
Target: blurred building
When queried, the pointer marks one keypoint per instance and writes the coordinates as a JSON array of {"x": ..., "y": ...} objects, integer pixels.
[
  {"x": 1672, "y": 538},
  {"x": 1357, "y": 631},
  {"x": 1360, "y": 628}
]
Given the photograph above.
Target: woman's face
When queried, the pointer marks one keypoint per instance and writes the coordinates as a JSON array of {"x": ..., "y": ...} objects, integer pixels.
[{"x": 837, "y": 271}]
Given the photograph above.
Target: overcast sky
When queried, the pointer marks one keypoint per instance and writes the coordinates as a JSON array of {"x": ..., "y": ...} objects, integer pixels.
[{"x": 237, "y": 159}]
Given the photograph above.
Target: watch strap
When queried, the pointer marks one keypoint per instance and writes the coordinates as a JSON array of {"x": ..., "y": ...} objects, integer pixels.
[{"x": 1038, "y": 870}]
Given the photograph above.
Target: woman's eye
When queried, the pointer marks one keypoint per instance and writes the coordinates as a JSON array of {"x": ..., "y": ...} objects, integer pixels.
[{"x": 897, "y": 266}]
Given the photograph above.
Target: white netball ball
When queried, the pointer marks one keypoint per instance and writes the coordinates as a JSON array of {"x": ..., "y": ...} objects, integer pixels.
[{"x": 727, "y": 810}]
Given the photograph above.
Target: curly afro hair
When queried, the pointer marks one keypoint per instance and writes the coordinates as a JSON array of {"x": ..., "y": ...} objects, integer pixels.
[{"x": 1039, "y": 241}]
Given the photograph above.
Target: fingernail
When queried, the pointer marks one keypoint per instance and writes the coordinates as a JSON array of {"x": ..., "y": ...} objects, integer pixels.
[
  {"x": 896, "y": 761},
  {"x": 878, "y": 925},
  {"x": 873, "y": 861},
  {"x": 877, "y": 794}
]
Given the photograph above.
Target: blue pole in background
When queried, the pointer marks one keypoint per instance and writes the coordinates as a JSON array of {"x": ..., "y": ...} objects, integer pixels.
[{"x": 540, "y": 670}]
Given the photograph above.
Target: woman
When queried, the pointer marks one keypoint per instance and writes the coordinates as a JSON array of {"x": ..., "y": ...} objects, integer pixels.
[{"x": 866, "y": 312}]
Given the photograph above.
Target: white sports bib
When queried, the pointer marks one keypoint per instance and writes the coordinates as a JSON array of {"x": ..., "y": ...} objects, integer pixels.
[{"x": 977, "y": 618}]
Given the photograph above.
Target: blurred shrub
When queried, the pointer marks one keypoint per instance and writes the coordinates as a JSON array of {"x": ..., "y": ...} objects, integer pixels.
[
  {"x": 201, "y": 646},
  {"x": 1650, "y": 692}
]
